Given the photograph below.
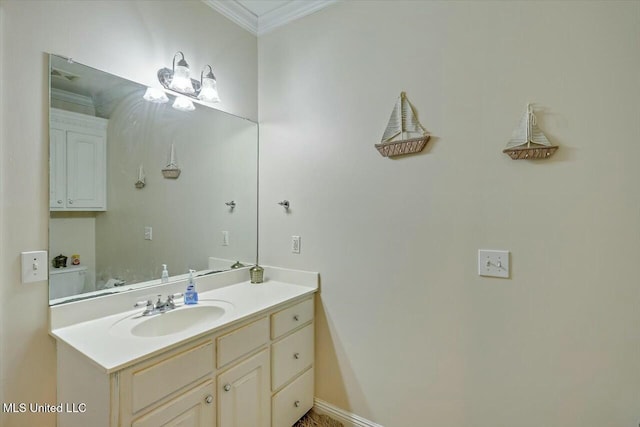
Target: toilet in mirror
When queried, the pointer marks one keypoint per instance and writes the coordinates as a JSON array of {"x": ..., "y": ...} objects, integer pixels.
[{"x": 116, "y": 215}]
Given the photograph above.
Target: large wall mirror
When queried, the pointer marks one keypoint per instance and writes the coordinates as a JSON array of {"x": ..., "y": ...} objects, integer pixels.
[{"x": 115, "y": 219}]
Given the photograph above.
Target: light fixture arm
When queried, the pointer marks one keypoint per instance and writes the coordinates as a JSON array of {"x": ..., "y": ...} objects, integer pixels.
[
  {"x": 209, "y": 75},
  {"x": 181, "y": 63}
]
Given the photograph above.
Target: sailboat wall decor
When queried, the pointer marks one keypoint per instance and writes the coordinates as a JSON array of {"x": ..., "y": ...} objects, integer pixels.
[
  {"x": 172, "y": 171},
  {"x": 404, "y": 133},
  {"x": 528, "y": 141}
]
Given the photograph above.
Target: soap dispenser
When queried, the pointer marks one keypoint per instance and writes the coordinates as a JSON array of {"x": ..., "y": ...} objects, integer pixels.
[
  {"x": 191, "y": 295},
  {"x": 165, "y": 274}
]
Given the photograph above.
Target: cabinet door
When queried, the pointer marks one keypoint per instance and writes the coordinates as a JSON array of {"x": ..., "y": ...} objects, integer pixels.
[
  {"x": 244, "y": 394},
  {"x": 86, "y": 171},
  {"x": 58, "y": 169},
  {"x": 192, "y": 409}
]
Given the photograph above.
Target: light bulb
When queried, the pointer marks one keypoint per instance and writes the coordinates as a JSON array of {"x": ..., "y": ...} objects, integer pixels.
[
  {"x": 181, "y": 81},
  {"x": 155, "y": 95},
  {"x": 183, "y": 104},
  {"x": 209, "y": 91}
]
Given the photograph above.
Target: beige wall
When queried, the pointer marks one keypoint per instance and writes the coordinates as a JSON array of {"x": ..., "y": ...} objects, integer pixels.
[
  {"x": 131, "y": 39},
  {"x": 408, "y": 334}
]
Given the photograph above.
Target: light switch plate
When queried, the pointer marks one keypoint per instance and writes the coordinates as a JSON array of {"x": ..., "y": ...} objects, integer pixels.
[
  {"x": 34, "y": 266},
  {"x": 493, "y": 263}
]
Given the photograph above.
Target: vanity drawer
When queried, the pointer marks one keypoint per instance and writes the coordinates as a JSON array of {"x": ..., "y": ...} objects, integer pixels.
[
  {"x": 242, "y": 341},
  {"x": 291, "y": 355},
  {"x": 195, "y": 407},
  {"x": 293, "y": 401},
  {"x": 158, "y": 380},
  {"x": 290, "y": 318}
]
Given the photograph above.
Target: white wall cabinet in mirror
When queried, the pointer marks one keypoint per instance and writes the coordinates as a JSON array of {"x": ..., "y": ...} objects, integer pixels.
[{"x": 78, "y": 172}]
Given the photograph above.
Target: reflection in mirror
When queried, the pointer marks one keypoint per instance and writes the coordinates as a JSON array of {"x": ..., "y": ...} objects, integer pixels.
[{"x": 115, "y": 219}]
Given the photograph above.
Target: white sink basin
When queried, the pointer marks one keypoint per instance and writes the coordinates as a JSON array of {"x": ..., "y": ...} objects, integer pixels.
[{"x": 181, "y": 319}]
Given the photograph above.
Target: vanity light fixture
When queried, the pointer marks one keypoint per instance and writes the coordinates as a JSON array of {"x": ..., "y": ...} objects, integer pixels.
[
  {"x": 155, "y": 95},
  {"x": 178, "y": 79},
  {"x": 183, "y": 104},
  {"x": 208, "y": 86}
]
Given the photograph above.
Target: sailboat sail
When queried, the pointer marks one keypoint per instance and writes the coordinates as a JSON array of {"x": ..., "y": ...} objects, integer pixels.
[
  {"x": 394, "y": 127},
  {"x": 528, "y": 131},
  {"x": 528, "y": 141},
  {"x": 404, "y": 134},
  {"x": 403, "y": 121}
]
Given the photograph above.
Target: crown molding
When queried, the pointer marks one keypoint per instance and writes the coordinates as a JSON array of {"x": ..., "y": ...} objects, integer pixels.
[
  {"x": 259, "y": 25},
  {"x": 235, "y": 12},
  {"x": 74, "y": 98}
]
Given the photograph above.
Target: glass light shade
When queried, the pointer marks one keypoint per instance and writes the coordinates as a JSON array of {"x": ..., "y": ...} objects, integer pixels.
[
  {"x": 181, "y": 81},
  {"x": 155, "y": 95},
  {"x": 209, "y": 91},
  {"x": 183, "y": 104}
]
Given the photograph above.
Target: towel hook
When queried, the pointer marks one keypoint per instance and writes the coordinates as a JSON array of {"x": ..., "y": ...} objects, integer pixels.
[
  {"x": 231, "y": 204},
  {"x": 285, "y": 204}
]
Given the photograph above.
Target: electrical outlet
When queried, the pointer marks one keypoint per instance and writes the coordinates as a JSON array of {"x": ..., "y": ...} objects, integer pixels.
[
  {"x": 225, "y": 238},
  {"x": 34, "y": 266},
  {"x": 493, "y": 263},
  {"x": 148, "y": 233},
  {"x": 295, "y": 244}
]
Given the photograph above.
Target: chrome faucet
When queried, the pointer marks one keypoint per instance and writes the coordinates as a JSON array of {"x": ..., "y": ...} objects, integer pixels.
[{"x": 160, "y": 306}]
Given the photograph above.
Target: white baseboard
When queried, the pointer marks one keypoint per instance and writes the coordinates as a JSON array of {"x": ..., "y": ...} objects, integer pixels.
[{"x": 346, "y": 418}]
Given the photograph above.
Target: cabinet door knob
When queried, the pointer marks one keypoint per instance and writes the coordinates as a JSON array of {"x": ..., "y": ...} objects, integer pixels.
[
  {"x": 296, "y": 355},
  {"x": 208, "y": 399},
  {"x": 70, "y": 201},
  {"x": 296, "y": 317},
  {"x": 227, "y": 387},
  {"x": 296, "y": 403},
  {"x": 59, "y": 202}
]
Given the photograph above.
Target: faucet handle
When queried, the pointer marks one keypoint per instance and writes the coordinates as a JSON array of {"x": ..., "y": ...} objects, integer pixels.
[
  {"x": 149, "y": 307},
  {"x": 141, "y": 303},
  {"x": 170, "y": 298}
]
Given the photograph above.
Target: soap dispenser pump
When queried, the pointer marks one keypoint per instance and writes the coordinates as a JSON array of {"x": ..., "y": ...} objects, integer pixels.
[
  {"x": 191, "y": 295},
  {"x": 165, "y": 274}
]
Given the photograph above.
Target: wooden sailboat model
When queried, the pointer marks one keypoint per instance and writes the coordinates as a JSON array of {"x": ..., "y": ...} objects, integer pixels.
[
  {"x": 528, "y": 141},
  {"x": 140, "y": 183},
  {"x": 404, "y": 133},
  {"x": 171, "y": 171}
]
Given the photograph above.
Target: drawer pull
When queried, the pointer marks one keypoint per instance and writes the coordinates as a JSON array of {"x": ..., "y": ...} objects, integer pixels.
[
  {"x": 208, "y": 399},
  {"x": 296, "y": 355},
  {"x": 296, "y": 403},
  {"x": 227, "y": 387},
  {"x": 296, "y": 317}
]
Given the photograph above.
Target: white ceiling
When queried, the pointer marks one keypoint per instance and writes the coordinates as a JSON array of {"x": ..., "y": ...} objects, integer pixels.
[{"x": 262, "y": 16}]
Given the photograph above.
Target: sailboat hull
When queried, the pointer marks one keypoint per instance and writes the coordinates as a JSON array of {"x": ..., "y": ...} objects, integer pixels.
[
  {"x": 400, "y": 148},
  {"x": 531, "y": 153},
  {"x": 171, "y": 173}
]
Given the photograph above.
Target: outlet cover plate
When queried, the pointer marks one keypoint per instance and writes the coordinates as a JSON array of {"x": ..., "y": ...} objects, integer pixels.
[{"x": 493, "y": 263}]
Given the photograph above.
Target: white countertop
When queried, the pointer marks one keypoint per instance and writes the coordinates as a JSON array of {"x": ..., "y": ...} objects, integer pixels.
[{"x": 95, "y": 338}]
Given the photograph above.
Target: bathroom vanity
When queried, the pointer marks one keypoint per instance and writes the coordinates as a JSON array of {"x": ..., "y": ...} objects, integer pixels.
[{"x": 244, "y": 355}]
